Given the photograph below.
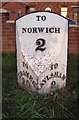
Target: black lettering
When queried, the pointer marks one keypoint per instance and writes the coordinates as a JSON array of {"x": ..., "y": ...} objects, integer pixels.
[
  {"x": 34, "y": 84},
  {"x": 34, "y": 30},
  {"x": 23, "y": 81},
  {"x": 31, "y": 78},
  {"x": 56, "y": 74},
  {"x": 24, "y": 30},
  {"x": 43, "y": 18},
  {"x": 46, "y": 30},
  {"x": 44, "y": 80},
  {"x": 38, "y": 18},
  {"x": 28, "y": 83},
  {"x": 23, "y": 73},
  {"x": 27, "y": 75},
  {"x": 57, "y": 30},
  {"x": 20, "y": 74},
  {"x": 56, "y": 65},
  {"x": 42, "y": 84},
  {"x": 53, "y": 83},
  {"x": 40, "y": 29},
  {"x": 25, "y": 65},
  {"x": 52, "y": 66},
  {"x": 51, "y": 30},
  {"x": 60, "y": 75},
  {"x": 40, "y": 42},
  {"x": 29, "y": 30},
  {"x": 52, "y": 75},
  {"x": 47, "y": 78},
  {"x": 63, "y": 77}
]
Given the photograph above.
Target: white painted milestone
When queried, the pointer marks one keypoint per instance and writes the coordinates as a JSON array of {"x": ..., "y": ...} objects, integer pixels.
[{"x": 42, "y": 41}]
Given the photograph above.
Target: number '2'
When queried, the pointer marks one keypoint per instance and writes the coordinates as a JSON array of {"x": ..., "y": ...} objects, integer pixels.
[{"x": 40, "y": 42}]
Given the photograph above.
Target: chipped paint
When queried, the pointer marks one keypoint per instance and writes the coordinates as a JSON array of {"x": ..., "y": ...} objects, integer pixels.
[{"x": 42, "y": 56}]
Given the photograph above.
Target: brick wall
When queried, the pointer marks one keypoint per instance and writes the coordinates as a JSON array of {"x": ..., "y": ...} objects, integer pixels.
[
  {"x": 9, "y": 37},
  {"x": 15, "y": 8},
  {"x": 55, "y": 7},
  {"x": 73, "y": 40}
]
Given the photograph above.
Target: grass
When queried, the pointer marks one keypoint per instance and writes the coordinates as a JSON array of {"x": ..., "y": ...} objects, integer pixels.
[{"x": 25, "y": 104}]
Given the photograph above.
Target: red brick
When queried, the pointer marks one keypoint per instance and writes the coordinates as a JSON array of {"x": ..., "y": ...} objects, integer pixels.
[{"x": 9, "y": 33}]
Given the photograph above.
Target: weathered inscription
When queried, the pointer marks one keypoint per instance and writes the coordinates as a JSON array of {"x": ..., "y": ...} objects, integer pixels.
[
  {"x": 52, "y": 75},
  {"x": 40, "y": 65},
  {"x": 26, "y": 77},
  {"x": 25, "y": 65}
]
